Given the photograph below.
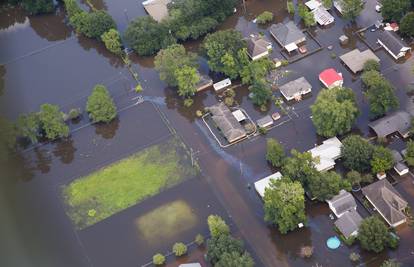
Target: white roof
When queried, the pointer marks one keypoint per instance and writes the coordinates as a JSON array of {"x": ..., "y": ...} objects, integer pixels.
[
  {"x": 291, "y": 47},
  {"x": 322, "y": 16},
  {"x": 190, "y": 265},
  {"x": 262, "y": 184},
  {"x": 313, "y": 4},
  {"x": 328, "y": 152},
  {"x": 221, "y": 84},
  {"x": 238, "y": 114}
]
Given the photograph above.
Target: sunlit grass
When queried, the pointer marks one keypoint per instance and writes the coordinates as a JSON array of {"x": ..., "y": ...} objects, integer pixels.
[{"x": 120, "y": 185}]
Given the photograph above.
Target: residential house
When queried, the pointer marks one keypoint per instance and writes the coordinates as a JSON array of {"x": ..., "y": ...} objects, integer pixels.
[
  {"x": 356, "y": 59},
  {"x": 227, "y": 123},
  {"x": 264, "y": 183},
  {"x": 387, "y": 201},
  {"x": 258, "y": 47},
  {"x": 313, "y": 4},
  {"x": 342, "y": 203},
  {"x": 327, "y": 153},
  {"x": 348, "y": 224},
  {"x": 394, "y": 46},
  {"x": 157, "y": 9},
  {"x": 396, "y": 122},
  {"x": 330, "y": 78},
  {"x": 295, "y": 89},
  {"x": 288, "y": 35}
]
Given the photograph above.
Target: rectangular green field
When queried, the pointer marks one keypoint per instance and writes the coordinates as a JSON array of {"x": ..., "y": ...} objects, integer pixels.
[{"x": 127, "y": 182}]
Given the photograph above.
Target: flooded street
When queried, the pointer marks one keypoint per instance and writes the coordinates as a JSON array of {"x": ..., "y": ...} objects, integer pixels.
[{"x": 43, "y": 61}]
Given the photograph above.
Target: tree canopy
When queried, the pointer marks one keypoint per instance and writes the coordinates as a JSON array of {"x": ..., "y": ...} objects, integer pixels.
[
  {"x": 51, "y": 121},
  {"x": 300, "y": 166},
  {"x": 334, "y": 111},
  {"x": 100, "y": 106},
  {"x": 284, "y": 204},
  {"x": 275, "y": 153},
  {"x": 265, "y": 17},
  {"x": 28, "y": 126},
  {"x": 187, "y": 78},
  {"x": 261, "y": 92},
  {"x": 306, "y": 15},
  {"x": 234, "y": 259},
  {"x": 357, "y": 153},
  {"x": 373, "y": 234},
  {"x": 217, "y": 226},
  {"x": 407, "y": 24},
  {"x": 409, "y": 156},
  {"x": 34, "y": 7},
  {"x": 8, "y": 135},
  {"x": 218, "y": 246},
  {"x": 326, "y": 185},
  {"x": 393, "y": 10},
  {"x": 382, "y": 160},
  {"x": 351, "y": 9},
  {"x": 112, "y": 41},
  {"x": 255, "y": 70}
]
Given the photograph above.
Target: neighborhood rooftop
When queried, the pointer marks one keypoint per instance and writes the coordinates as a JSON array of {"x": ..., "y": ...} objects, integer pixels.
[
  {"x": 349, "y": 223},
  {"x": 262, "y": 184},
  {"x": 392, "y": 44},
  {"x": 258, "y": 47},
  {"x": 157, "y": 9},
  {"x": 226, "y": 122},
  {"x": 287, "y": 35},
  {"x": 327, "y": 152},
  {"x": 356, "y": 59},
  {"x": 295, "y": 88},
  {"x": 399, "y": 121},
  {"x": 342, "y": 203}
]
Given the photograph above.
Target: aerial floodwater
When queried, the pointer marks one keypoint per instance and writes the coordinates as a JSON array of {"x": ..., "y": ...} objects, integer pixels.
[{"x": 45, "y": 220}]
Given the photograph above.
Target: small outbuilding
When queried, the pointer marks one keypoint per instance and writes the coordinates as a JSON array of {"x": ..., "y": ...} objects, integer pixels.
[
  {"x": 396, "y": 122},
  {"x": 327, "y": 153},
  {"x": 239, "y": 115},
  {"x": 322, "y": 16},
  {"x": 288, "y": 35},
  {"x": 295, "y": 89},
  {"x": 265, "y": 122},
  {"x": 342, "y": 203},
  {"x": 222, "y": 84},
  {"x": 356, "y": 59},
  {"x": 264, "y": 183},
  {"x": 392, "y": 44},
  {"x": 330, "y": 78},
  {"x": 399, "y": 165},
  {"x": 258, "y": 47},
  {"x": 194, "y": 264},
  {"x": 343, "y": 39},
  {"x": 348, "y": 224},
  {"x": 157, "y": 9},
  {"x": 204, "y": 83}
]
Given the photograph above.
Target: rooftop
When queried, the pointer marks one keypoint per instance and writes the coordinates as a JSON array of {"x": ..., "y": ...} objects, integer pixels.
[
  {"x": 349, "y": 223},
  {"x": 157, "y": 9},
  {"x": 257, "y": 45},
  {"x": 286, "y": 33},
  {"x": 328, "y": 152},
  {"x": 391, "y": 41},
  {"x": 356, "y": 59},
  {"x": 262, "y": 184},
  {"x": 342, "y": 202},
  {"x": 292, "y": 88},
  {"x": 399, "y": 121},
  {"x": 329, "y": 77}
]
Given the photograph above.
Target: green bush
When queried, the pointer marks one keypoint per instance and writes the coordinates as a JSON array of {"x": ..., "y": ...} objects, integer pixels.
[
  {"x": 217, "y": 226},
  {"x": 199, "y": 239},
  {"x": 371, "y": 64},
  {"x": 290, "y": 7},
  {"x": 265, "y": 17},
  {"x": 179, "y": 249},
  {"x": 158, "y": 259},
  {"x": 100, "y": 106},
  {"x": 188, "y": 102}
]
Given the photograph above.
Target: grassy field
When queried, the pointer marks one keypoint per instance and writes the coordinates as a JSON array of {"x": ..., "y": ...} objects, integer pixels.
[{"x": 120, "y": 185}]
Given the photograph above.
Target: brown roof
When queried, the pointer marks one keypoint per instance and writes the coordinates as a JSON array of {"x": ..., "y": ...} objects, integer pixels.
[
  {"x": 387, "y": 200},
  {"x": 157, "y": 9},
  {"x": 399, "y": 121},
  {"x": 226, "y": 122},
  {"x": 356, "y": 59},
  {"x": 257, "y": 45}
]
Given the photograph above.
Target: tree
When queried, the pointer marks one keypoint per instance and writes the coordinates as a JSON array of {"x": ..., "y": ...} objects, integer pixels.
[
  {"x": 97, "y": 23},
  {"x": 275, "y": 153},
  {"x": 216, "y": 45},
  {"x": 187, "y": 78},
  {"x": 35, "y": 7},
  {"x": 112, "y": 41},
  {"x": 256, "y": 70},
  {"x": 217, "y": 246},
  {"x": 284, "y": 204},
  {"x": 326, "y": 185},
  {"x": 158, "y": 259},
  {"x": 409, "y": 156},
  {"x": 100, "y": 106},
  {"x": 261, "y": 93},
  {"x": 290, "y": 7},
  {"x": 217, "y": 226},
  {"x": 199, "y": 239},
  {"x": 390, "y": 263},
  {"x": 382, "y": 160},
  {"x": 407, "y": 24},
  {"x": 234, "y": 259},
  {"x": 28, "y": 126},
  {"x": 306, "y": 15},
  {"x": 179, "y": 249},
  {"x": 357, "y": 153},
  {"x": 352, "y": 8},
  {"x": 147, "y": 37},
  {"x": 327, "y": 4},
  {"x": 380, "y": 93},
  {"x": 371, "y": 64},
  {"x": 51, "y": 121},
  {"x": 373, "y": 234},
  {"x": 354, "y": 177},
  {"x": 171, "y": 59},
  {"x": 265, "y": 17},
  {"x": 334, "y": 111},
  {"x": 393, "y": 10},
  {"x": 300, "y": 166}
]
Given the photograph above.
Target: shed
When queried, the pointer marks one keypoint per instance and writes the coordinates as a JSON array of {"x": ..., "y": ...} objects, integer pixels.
[
  {"x": 204, "y": 83},
  {"x": 295, "y": 89},
  {"x": 262, "y": 184},
  {"x": 222, "y": 84},
  {"x": 342, "y": 203},
  {"x": 330, "y": 78},
  {"x": 288, "y": 35},
  {"x": 343, "y": 39},
  {"x": 348, "y": 224},
  {"x": 401, "y": 168},
  {"x": 396, "y": 122},
  {"x": 356, "y": 59},
  {"x": 265, "y": 122},
  {"x": 392, "y": 44},
  {"x": 157, "y": 9},
  {"x": 238, "y": 114},
  {"x": 327, "y": 152}
]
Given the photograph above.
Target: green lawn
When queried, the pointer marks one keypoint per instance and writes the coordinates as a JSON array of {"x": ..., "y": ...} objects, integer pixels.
[{"x": 125, "y": 183}]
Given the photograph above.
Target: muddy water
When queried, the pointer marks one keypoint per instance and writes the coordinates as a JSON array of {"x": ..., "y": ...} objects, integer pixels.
[{"x": 46, "y": 62}]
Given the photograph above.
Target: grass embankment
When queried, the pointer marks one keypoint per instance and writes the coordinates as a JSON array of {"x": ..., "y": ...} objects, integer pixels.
[{"x": 125, "y": 183}]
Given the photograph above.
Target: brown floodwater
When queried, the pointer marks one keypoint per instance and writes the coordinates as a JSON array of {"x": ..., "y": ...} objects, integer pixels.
[{"x": 43, "y": 60}]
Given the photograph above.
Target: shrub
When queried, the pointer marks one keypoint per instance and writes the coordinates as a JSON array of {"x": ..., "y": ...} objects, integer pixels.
[
  {"x": 158, "y": 259},
  {"x": 188, "y": 102},
  {"x": 229, "y": 101},
  {"x": 262, "y": 130},
  {"x": 51, "y": 121},
  {"x": 74, "y": 113},
  {"x": 179, "y": 249},
  {"x": 354, "y": 257},
  {"x": 275, "y": 153},
  {"x": 265, "y": 17},
  {"x": 306, "y": 251},
  {"x": 199, "y": 113},
  {"x": 199, "y": 239},
  {"x": 112, "y": 41},
  {"x": 290, "y": 7},
  {"x": 100, "y": 106},
  {"x": 371, "y": 64},
  {"x": 217, "y": 226}
]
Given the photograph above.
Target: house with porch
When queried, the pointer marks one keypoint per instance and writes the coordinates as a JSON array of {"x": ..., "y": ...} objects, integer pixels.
[{"x": 288, "y": 35}]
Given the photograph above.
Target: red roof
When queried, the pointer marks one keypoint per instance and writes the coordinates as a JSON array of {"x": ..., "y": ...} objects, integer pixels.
[{"x": 329, "y": 77}]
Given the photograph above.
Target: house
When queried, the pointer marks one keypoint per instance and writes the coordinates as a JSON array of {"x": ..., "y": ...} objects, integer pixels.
[
  {"x": 356, "y": 59},
  {"x": 288, "y": 35},
  {"x": 327, "y": 152},
  {"x": 399, "y": 165},
  {"x": 330, "y": 78},
  {"x": 258, "y": 47},
  {"x": 222, "y": 84},
  {"x": 394, "y": 46},
  {"x": 348, "y": 224},
  {"x": 204, "y": 82},
  {"x": 338, "y": 6},
  {"x": 227, "y": 123},
  {"x": 295, "y": 89},
  {"x": 157, "y": 9},
  {"x": 322, "y": 16},
  {"x": 264, "y": 183},
  {"x": 387, "y": 201},
  {"x": 396, "y": 122},
  {"x": 265, "y": 122},
  {"x": 342, "y": 203}
]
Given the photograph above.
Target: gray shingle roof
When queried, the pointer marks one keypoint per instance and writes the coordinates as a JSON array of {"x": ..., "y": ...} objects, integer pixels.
[
  {"x": 226, "y": 122},
  {"x": 286, "y": 33},
  {"x": 257, "y": 45},
  {"x": 387, "y": 200},
  {"x": 356, "y": 59},
  {"x": 349, "y": 223},
  {"x": 391, "y": 41},
  {"x": 294, "y": 87},
  {"x": 399, "y": 121},
  {"x": 343, "y": 202}
]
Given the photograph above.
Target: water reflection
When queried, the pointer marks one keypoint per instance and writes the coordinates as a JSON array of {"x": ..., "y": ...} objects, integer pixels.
[
  {"x": 51, "y": 27},
  {"x": 2, "y": 80},
  {"x": 98, "y": 4},
  {"x": 107, "y": 130},
  {"x": 89, "y": 44},
  {"x": 65, "y": 151},
  {"x": 12, "y": 18},
  {"x": 43, "y": 160}
]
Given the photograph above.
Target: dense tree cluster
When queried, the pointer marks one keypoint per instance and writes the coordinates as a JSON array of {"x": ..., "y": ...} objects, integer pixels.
[
  {"x": 334, "y": 111},
  {"x": 100, "y": 106},
  {"x": 306, "y": 15},
  {"x": 393, "y": 10},
  {"x": 351, "y": 9},
  {"x": 382, "y": 160},
  {"x": 275, "y": 153},
  {"x": 188, "y": 19},
  {"x": 34, "y": 7},
  {"x": 357, "y": 153},
  {"x": 374, "y": 235},
  {"x": 407, "y": 24},
  {"x": 326, "y": 185}
]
